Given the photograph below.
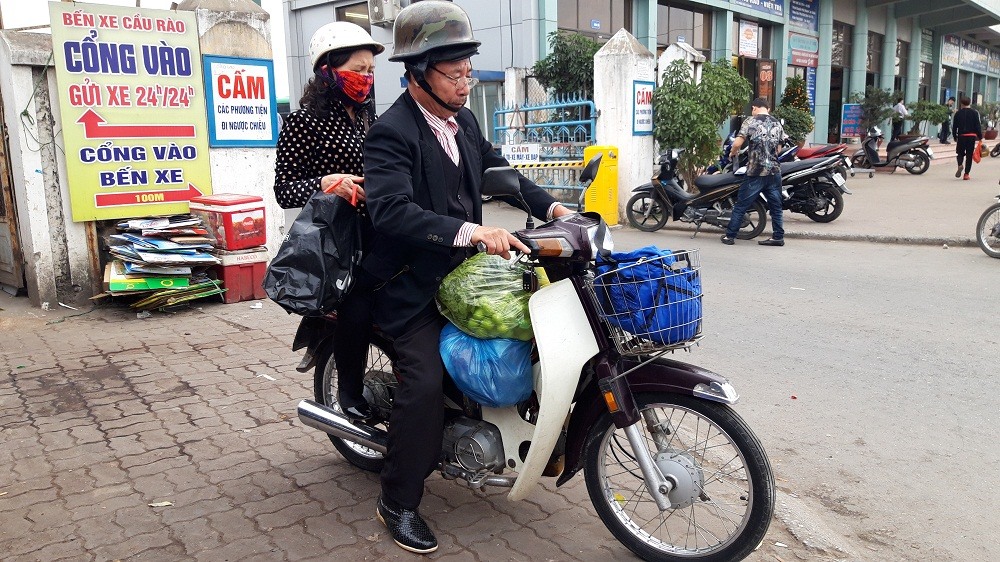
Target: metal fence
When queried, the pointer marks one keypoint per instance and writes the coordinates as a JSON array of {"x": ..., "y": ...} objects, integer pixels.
[
  {"x": 561, "y": 179},
  {"x": 562, "y": 126}
]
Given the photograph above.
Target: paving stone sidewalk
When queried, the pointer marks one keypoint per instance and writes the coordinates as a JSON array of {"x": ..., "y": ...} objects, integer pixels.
[{"x": 104, "y": 414}]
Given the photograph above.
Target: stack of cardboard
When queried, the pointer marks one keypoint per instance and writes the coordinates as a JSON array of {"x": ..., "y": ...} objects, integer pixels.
[{"x": 165, "y": 257}]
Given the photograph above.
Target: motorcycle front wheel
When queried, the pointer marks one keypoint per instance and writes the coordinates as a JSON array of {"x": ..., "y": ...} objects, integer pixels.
[
  {"x": 723, "y": 499},
  {"x": 996, "y": 151},
  {"x": 380, "y": 383},
  {"x": 988, "y": 231},
  {"x": 834, "y": 205},
  {"x": 920, "y": 163},
  {"x": 860, "y": 161},
  {"x": 646, "y": 212}
]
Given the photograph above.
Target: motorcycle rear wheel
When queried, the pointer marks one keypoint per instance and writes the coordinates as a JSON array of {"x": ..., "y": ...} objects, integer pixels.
[
  {"x": 755, "y": 219},
  {"x": 985, "y": 229},
  {"x": 834, "y": 205},
  {"x": 921, "y": 163},
  {"x": 646, "y": 212},
  {"x": 725, "y": 488},
  {"x": 380, "y": 381}
]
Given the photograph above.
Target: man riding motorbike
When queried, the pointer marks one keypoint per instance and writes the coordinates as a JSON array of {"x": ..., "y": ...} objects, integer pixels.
[{"x": 424, "y": 161}]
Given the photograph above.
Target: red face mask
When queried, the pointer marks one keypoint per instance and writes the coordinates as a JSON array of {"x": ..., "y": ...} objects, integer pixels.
[{"x": 355, "y": 85}]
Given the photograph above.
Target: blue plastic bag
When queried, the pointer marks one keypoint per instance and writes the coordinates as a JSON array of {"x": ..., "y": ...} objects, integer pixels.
[
  {"x": 647, "y": 293},
  {"x": 494, "y": 372}
]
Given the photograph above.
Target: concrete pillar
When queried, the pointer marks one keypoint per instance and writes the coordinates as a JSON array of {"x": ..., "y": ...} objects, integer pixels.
[
  {"x": 823, "y": 72},
  {"x": 645, "y": 23},
  {"x": 913, "y": 65},
  {"x": 722, "y": 45},
  {"x": 779, "y": 52},
  {"x": 888, "y": 80},
  {"x": 620, "y": 62},
  {"x": 240, "y": 28},
  {"x": 548, "y": 22},
  {"x": 859, "y": 51}
]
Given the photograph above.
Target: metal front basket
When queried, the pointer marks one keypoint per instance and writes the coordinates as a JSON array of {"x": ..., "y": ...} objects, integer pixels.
[{"x": 650, "y": 305}]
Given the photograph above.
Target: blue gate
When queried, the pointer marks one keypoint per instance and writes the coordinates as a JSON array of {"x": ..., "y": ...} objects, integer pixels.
[{"x": 562, "y": 127}]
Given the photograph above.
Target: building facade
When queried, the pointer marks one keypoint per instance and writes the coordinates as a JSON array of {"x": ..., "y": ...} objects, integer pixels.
[{"x": 925, "y": 49}]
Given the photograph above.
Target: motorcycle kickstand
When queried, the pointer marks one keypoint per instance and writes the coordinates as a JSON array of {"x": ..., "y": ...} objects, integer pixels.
[{"x": 697, "y": 228}]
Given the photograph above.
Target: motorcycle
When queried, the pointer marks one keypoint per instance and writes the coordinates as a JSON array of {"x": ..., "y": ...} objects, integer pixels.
[
  {"x": 671, "y": 469},
  {"x": 790, "y": 153},
  {"x": 913, "y": 155},
  {"x": 845, "y": 168},
  {"x": 988, "y": 230},
  {"x": 659, "y": 200},
  {"x": 814, "y": 188},
  {"x": 726, "y": 164}
]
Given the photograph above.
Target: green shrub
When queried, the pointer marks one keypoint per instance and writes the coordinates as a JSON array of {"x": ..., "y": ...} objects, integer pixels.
[
  {"x": 798, "y": 123},
  {"x": 688, "y": 115},
  {"x": 569, "y": 68}
]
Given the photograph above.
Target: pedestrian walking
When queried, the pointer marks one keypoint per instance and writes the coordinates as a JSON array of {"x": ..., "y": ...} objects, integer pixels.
[
  {"x": 967, "y": 127},
  {"x": 765, "y": 135},
  {"x": 900, "y": 113},
  {"x": 946, "y": 125}
]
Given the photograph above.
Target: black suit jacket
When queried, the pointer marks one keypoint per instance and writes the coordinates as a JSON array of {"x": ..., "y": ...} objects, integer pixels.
[{"x": 412, "y": 248}]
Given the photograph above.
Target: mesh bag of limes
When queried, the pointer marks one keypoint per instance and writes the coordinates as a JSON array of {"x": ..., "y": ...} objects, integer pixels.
[{"x": 485, "y": 298}]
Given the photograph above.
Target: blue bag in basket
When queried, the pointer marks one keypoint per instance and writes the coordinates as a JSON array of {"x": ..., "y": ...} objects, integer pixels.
[
  {"x": 647, "y": 293},
  {"x": 494, "y": 372}
]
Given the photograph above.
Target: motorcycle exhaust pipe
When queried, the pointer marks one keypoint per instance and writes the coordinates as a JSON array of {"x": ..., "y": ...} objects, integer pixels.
[{"x": 328, "y": 420}]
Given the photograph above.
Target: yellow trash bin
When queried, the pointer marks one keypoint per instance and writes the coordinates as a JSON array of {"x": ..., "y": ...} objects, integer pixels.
[{"x": 602, "y": 196}]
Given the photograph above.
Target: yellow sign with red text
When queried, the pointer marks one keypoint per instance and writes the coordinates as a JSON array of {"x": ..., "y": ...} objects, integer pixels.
[{"x": 131, "y": 95}]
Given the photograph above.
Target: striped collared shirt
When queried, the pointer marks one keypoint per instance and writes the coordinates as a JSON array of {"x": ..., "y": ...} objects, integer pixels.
[{"x": 444, "y": 130}]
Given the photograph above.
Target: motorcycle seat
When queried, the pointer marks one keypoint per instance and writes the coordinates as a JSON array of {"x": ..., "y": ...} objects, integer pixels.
[
  {"x": 812, "y": 151},
  {"x": 798, "y": 165},
  {"x": 708, "y": 182}
]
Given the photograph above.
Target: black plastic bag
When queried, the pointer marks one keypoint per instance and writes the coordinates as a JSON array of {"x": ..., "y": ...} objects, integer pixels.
[{"x": 314, "y": 267}]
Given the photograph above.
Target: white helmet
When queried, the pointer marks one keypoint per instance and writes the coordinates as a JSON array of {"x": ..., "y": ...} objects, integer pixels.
[{"x": 340, "y": 35}]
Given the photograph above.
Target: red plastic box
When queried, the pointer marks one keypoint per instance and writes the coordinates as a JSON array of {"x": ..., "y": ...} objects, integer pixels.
[
  {"x": 234, "y": 221},
  {"x": 242, "y": 274}
]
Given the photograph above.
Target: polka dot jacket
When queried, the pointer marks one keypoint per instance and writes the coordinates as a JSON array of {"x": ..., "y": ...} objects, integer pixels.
[{"x": 310, "y": 147}]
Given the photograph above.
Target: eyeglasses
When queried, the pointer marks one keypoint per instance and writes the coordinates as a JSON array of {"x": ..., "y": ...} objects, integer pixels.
[{"x": 458, "y": 81}]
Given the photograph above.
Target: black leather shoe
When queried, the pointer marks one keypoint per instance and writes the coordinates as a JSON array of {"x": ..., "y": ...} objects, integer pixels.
[
  {"x": 361, "y": 412},
  {"x": 727, "y": 240},
  {"x": 407, "y": 528},
  {"x": 771, "y": 242}
]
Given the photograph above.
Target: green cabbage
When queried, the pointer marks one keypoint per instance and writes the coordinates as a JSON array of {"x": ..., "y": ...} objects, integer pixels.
[{"x": 484, "y": 297}]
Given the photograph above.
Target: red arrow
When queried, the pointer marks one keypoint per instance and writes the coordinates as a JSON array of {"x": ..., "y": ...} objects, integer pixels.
[
  {"x": 95, "y": 127},
  {"x": 146, "y": 197}
]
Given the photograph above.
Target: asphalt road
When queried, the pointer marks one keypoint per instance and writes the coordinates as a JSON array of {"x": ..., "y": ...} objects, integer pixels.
[{"x": 868, "y": 370}]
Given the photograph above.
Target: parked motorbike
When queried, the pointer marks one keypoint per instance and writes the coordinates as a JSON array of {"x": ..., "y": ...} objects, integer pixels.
[
  {"x": 845, "y": 168},
  {"x": 913, "y": 155},
  {"x": 814, "y": 187},
  {"x": 725, "y": 163},
  {"x": 988, "y": 230},
  {"x": 657, "y": 201},
  {"x": 673, "y": 472}
]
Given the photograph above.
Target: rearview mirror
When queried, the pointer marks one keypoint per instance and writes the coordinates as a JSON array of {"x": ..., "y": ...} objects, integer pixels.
[
  {"x": 590, "y": 170},
  {"x": 501, "y": 181}
]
